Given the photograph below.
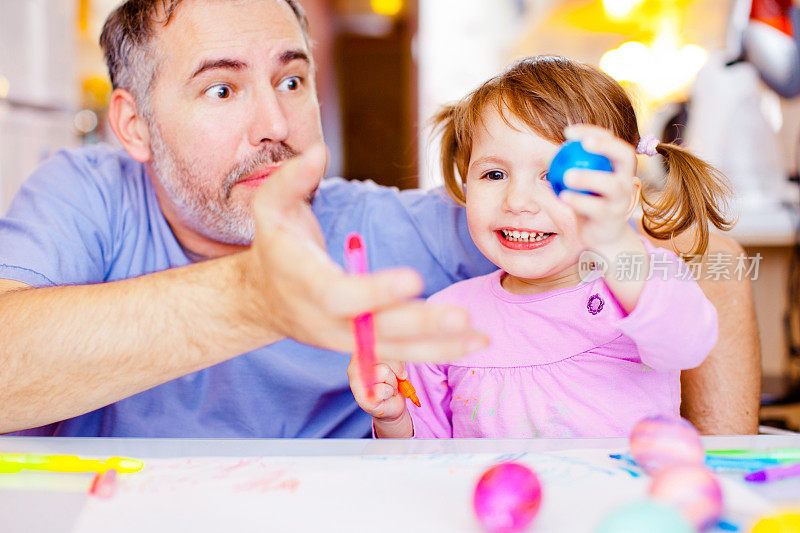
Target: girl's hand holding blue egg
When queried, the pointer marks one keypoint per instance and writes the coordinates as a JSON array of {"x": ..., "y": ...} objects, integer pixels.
[
  {"x": 607, "y": 173},
  {"x": 572, "y": 154}
]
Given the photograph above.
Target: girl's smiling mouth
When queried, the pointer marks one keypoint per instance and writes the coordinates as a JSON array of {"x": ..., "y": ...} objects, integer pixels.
[{"x": 516, "y": 239}]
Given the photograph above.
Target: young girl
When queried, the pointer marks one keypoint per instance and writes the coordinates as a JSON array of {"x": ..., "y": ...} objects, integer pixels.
[{"x": 570, "y": 355}]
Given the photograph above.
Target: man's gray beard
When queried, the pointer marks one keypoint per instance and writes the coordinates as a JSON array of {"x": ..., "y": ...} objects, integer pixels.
[{"x": 210, "y": 213}]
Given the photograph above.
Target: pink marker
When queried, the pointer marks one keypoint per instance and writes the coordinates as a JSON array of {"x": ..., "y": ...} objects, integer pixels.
[{"x": 355, "y": 260}]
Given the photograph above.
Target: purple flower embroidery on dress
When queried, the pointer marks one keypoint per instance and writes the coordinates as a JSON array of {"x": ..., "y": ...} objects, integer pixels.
[{"x": 595, "y": 304}]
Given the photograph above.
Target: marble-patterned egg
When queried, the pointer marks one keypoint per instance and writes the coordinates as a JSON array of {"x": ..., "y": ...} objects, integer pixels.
[
  {"x": 694, "y": 490},
  {"x": 660, "y": 441}
]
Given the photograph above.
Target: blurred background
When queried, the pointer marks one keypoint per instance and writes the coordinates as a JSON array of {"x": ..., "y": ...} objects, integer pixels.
[{"x": 720, "y": 76}]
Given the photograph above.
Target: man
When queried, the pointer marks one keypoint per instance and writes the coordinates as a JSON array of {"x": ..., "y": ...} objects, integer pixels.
[{"x": 128, "y": 283}]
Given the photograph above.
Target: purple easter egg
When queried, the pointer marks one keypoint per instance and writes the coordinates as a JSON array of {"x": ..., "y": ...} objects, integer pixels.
[
  {"x": 507, "y": 498},
  {"x": 694, "y": 490},
  {"x": 661, "y": 441}
]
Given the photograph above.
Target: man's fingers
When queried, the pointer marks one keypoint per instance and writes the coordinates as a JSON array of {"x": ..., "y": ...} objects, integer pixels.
[
  {"x": 282, "y": 201},
  {"x": 445, "y": 348},
  {"x": 355, "y": 294},
  {"x": 420, "y": 319},
  {"x": 294, "y": 180}
]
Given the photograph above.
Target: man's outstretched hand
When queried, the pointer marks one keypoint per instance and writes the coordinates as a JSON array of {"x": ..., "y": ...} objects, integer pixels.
[{"x": 297, "y": 291}]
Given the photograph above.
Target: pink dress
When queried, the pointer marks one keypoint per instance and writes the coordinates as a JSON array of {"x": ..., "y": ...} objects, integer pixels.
[{"x": 567, "y": 363}]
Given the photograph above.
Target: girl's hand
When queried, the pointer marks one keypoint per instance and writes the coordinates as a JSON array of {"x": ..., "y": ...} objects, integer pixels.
[
  {"x": 388, "y": 404},
  {"x": 603, "y": 219}
]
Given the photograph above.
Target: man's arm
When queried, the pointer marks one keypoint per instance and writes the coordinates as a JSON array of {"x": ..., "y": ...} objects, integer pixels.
[
  {"x": 68, "y": 350},
  {"x": 722, "y": 395}
]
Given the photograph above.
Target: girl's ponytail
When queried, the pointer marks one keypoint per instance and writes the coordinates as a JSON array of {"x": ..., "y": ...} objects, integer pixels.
[
  {"x": 445, "y": 121},
  {"x": 695, "y": 195}
]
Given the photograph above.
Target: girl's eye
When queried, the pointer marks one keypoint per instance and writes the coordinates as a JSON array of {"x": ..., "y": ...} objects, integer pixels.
[
  {"x": 494, "y": 175},
  {"x": 219, "y": 91},
  {"x": 291, "y": 84}
]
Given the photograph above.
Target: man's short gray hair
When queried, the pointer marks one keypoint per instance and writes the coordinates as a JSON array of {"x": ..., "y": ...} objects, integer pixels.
[{"x": 126, "y": 39}]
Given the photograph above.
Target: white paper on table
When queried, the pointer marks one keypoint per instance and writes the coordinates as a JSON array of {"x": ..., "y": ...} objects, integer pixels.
[{"x": 402, "y": 493}]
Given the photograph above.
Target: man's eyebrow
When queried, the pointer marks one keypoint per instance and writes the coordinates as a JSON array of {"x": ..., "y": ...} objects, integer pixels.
[
  {"x": 213, "y": 64},
  {"x": 292, "y": 55},
  {"x": 234, "y": 64}
]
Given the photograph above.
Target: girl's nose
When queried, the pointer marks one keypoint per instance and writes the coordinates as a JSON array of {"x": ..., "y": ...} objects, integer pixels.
[{"x": 521, "y": 197}]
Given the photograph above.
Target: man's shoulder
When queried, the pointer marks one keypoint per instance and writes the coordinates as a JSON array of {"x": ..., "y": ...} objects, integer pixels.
[
  {"x": 335, "y": 192},
  {"x": 93, "y": 175},
  {"x": 99, "y": 162}
]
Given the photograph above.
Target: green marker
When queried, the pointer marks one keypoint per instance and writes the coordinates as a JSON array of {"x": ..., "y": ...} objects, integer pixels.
[{"x": 782, "y": 455}]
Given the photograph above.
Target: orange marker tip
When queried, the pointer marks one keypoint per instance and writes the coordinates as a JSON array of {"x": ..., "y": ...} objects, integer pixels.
[{"x": 407, "y": 389}]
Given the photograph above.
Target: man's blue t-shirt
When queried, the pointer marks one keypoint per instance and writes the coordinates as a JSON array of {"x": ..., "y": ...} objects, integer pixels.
[{"x": 91, "y": 215}]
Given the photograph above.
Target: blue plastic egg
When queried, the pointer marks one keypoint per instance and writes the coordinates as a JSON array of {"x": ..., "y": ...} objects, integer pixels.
[
  {"x": 645, "y": 517},
  {"x": 573, "y": 155}
]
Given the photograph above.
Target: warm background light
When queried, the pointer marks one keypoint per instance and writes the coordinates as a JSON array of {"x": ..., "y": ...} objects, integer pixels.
[
  {"x": 663, "y": 70},
  {"x": 620, "y": 9},
  {"x": 387, "y": 7}
]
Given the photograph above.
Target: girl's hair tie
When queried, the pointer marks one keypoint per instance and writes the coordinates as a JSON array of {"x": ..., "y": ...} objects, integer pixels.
[{"x": 647, "y": 145}]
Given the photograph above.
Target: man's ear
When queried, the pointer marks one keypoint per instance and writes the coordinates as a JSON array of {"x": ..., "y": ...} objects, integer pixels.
[
  {"x": 129, "y": 126},
  {"x": 636, "y": 195}
]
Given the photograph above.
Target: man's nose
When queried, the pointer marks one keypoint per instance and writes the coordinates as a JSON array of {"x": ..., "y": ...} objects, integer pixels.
[
  {"x": 521, "y": 196},
  {"x": 268, "y": 122}
]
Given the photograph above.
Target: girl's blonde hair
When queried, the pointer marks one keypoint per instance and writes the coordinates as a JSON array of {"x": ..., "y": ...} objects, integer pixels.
[{"x": 548, "y": 93}]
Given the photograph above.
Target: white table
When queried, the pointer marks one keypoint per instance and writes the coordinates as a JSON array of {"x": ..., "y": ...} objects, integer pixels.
[{"x": 52, "y": 511}]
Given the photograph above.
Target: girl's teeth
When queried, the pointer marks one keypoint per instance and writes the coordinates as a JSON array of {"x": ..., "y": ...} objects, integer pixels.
[{"x": 524, "y": 236}]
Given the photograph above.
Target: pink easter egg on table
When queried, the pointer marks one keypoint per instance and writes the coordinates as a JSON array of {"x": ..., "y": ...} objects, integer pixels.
[
  {"x": 661, "y": 441},
  {"x": 507, "y": 498},
  {"x": 694, "y": 490}
]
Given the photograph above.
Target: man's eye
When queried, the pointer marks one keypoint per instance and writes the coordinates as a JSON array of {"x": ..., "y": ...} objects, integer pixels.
[
  {"x": 220, "y": 91},
  {"x": 494, "y": 175},
  {"x": 291, "y": 84}
]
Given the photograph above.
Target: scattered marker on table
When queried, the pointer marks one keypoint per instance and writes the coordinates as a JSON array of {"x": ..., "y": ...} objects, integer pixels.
[
  {"x": 783, "y": 455},
  {"x": 716, "y": 463},
  {"x": 724, "y": 525},
  {"x": 16, "y": 462},
  {"x": 773, "y": 474}
]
